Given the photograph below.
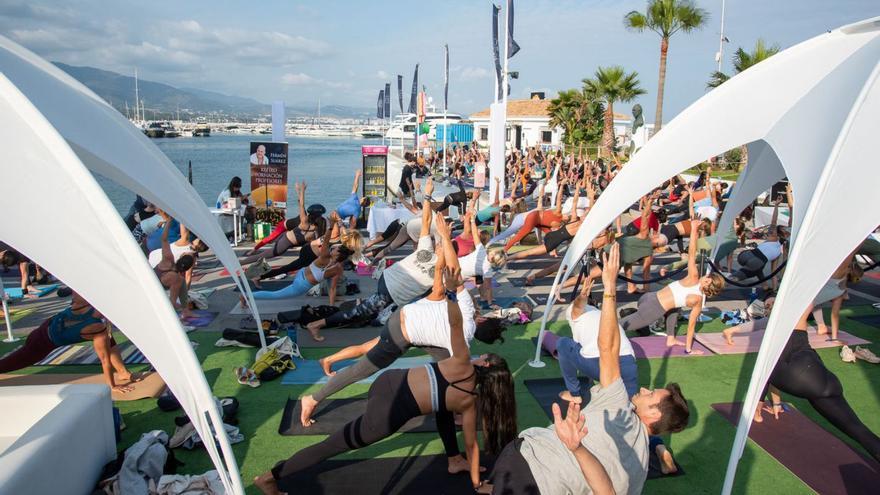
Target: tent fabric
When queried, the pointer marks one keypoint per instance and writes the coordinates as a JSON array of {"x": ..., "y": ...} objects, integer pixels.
[
  {"x": 99, "y": 258},
  {"x": 107, "y": 143},
  {"x": 822, "y": 244},
  {"x": 763, "y": 170}
]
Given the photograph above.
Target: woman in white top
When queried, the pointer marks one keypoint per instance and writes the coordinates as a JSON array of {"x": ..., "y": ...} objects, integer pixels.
[
  {"x": 423, "y": 323},
  {"x": 687, "y": 292},
  {"x": 481, "y": 263},
  {"x": 753, "y": 261}
]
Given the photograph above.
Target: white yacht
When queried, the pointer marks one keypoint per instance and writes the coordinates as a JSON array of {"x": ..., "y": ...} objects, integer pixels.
[{"x": 404, "y": 125}]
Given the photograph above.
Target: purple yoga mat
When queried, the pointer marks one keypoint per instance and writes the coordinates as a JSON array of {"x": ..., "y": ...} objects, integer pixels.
[
  {"x": 820, "y": 459},
  {"x": 655, "y": 347}
]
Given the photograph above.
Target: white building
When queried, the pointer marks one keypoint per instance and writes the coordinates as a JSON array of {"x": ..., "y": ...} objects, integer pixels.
[{"x": 528, "y": 124}]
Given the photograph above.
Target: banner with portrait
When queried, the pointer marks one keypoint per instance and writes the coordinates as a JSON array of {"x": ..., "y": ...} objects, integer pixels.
[{"x": 269, "y": 174}]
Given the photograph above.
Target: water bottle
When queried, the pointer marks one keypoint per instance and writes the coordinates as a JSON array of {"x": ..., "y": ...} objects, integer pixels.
[
  {"x": 218, "y": 205},
  {"x": 753, "y": 296}
]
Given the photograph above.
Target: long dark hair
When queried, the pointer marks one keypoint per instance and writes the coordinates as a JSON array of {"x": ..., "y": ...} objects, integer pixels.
[
  {"x": 235, "y": 182},
  {"x": 497, "y": 403}
]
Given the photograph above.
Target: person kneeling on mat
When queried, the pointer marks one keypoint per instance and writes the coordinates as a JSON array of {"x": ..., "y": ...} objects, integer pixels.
[
  {"x": 78, "y": 323},
  {"x": 451, "y": 386},
  {"x": 615, "y": 442}
]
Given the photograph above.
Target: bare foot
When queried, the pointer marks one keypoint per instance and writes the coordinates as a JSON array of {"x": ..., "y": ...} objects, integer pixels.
[
  {"x": 728, "y": 335},
  {"x": 267, "y": 484},
  {"x": 530, "y": 280},
  {"x": 695, "y": 352},
  {"x": 758, "y": 417},
  {"x": 326, "y": 365},
  {"x": 243, "y": 301},
  {"x": 459, "y": 464},
  {"x": 123, "y": 389},
  {"x": 631, "y": 288},
  {"x": 315, "y": 335},
  {"x": 566, "y": 395},
  {"x": 667, "y": 464},
  {"x": 663, "y": 272},
  {"x": 822, "y": 329},
  {"x": 256, "y": 282},
  {"x": 673, "y": 341},
  {"x": 308, "y": 407}
]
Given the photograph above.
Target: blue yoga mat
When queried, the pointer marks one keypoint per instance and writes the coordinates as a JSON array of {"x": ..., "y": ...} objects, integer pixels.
[
  {"x": 309, "y": 372},
  {"x": 15, "y": 293}
]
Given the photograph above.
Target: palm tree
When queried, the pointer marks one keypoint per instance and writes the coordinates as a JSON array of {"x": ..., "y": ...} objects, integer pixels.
[
  {"x": 666, "y": 17},
  {"x": 742, "y": 60},
  {"x": 578, "y": 114},
  {"x": 610, "y": 85}
]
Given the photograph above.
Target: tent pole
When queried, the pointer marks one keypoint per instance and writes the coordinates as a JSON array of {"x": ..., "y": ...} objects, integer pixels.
[{"x": 6, "y": 316}]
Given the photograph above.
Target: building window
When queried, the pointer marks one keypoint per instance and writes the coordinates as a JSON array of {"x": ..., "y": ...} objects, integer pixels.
[
  {"x": 484, "y": 133},
  {"x": 546, "y": 136}
]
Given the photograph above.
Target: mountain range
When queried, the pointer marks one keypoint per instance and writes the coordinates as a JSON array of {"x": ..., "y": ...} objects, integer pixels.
[{"x": 163, "y": 101}]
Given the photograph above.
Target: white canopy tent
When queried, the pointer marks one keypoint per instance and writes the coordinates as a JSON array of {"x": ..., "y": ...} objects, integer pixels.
[
  {"x": 108, "y": 144},
  {"x": 99, "y": 259},
  {"x": 796, "y": 103}
]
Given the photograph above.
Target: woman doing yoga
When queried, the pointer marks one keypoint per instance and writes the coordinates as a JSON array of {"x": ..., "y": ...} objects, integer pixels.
[
  {"x": 78, "y": 323},
  {"x": 687, "y": 292},
  {"x": 539, "y": 219},
  {"x": 451, "y": 386},
  {"x": 801, "y": 372},
  {"x": 350, "y": 239},
  {"x": 555, "y": 238},
  {"x": 753, "y": 261},
  {"x": 327, "y": 266},
  {"x": 173, "y": 273},
  {"x": 292, "y": 232},
  {"x": 350, "y": 209}
]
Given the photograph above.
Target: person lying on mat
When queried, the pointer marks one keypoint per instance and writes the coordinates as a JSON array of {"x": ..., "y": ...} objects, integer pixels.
[
  {"x": 172, "y": 272},
  {"x": 480, "y": 263},
  {"x": 450, "y": 386},
  {"x": 685, "y": 293},
  {"x": 77, "y": 323},
  {"x": 425, "y": 324},
  {"x": 801, "y": 373},
  {"x": 9, "y": 258},
  {"x": 350, "y": 239},
  {"x": 618, "y": 425},
  {"x": 308, "y": 225},
  {"x": 401, "y": 283},
  {"x": 752, "y": 261},
  {"x": 187, "y": 244},
  {"x": 327, "y": 266}
]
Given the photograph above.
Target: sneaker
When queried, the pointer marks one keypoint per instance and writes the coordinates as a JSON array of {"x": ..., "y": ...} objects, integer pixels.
[
  {"x": 847, "y": 355},
  {"x": 866, "y": 355}
]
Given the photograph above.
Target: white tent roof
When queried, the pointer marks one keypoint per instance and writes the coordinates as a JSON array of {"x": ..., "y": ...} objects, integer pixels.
[
  {"x": 98, "y": 258},
  {"x": 796, "y": 102},
  {"x": 108, "y": 144}
]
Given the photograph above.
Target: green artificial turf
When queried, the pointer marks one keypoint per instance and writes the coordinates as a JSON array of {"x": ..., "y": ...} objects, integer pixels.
[{"x": 702, "y": 449}]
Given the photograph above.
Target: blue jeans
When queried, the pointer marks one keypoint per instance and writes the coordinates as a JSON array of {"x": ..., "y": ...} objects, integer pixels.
[{"x": 571, "y": 362}]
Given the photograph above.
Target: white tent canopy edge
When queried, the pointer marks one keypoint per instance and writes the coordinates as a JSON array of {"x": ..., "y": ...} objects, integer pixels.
[
  {"x": 109, "y": 145},
  {"x": 100, "y": 260}
]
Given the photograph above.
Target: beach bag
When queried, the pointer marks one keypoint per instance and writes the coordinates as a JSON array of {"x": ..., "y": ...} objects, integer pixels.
[
  {"x": 756, "y": 309},
  {"x": 308, "y": 314},
  {"x": 198, "y": 300},
  {"x": 257, "y": 269}
]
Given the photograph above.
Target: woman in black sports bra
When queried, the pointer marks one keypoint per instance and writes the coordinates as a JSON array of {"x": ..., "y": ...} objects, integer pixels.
[
  {"x": 293, "y": 232},
  {"x": 399, "y": 395}
]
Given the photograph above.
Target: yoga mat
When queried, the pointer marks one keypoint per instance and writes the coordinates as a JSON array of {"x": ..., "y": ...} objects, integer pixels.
[
  {"x": 76, "y": 354},
  {"x": 470, "y": 285},
  {"x": 15, "y": 315},
  {"x": 42, "y": 290},
  {"x": 544, "y": 351},
  {"x": 387, "y": 475},
  {"x": 272, "y": 284},
  {"x": 309, "y": 371},
  {"x": 872, "y": 320},
  {"x": 745, "y": 343},
  {"x": 539, "y": 282},
  {"x": 821, "y": 460},
  {"x": 546, "y": 392},
  {"x": 655, "y": 346},
  {"x": 268, "y": 306},
  {"x": 150, "y": 385},
  {"x": 200, "y": 318},
  {"x": 332, "y": 414},
  {"x": 507, "y": 302},
  {"x": 726, "y": 295},
  {"x": 336, "y": 337}
]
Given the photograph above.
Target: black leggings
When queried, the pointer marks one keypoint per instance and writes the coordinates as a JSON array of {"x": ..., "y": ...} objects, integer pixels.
[
  {"x": 372, "y": 305},
  {"x": 399, "y": 236},
  {"x": 306, "y": 257},
  {"x": 511, "y": 474},
  {"x": 649, "y": 310},
  {"x": 390, "y": 404},
  {"x": 800, "y": 372}
]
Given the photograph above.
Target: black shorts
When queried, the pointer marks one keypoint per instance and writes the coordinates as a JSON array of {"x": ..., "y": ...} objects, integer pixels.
[
  {"x": 555, "y": 238},
  {"x": 511, "y": 474}
]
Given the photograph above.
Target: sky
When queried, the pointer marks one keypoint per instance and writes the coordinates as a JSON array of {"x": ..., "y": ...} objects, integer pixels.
[{"x": 343, "y": 52}]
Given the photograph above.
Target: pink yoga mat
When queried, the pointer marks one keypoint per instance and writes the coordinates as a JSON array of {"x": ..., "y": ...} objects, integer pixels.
[
  {"x": 744, "y": 343},
  {"x": 655, "y": 347},
  {"x": 820, "y": 459}
]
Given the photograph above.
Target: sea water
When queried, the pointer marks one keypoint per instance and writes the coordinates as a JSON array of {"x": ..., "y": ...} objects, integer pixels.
[{"x": 326, "y": 164}]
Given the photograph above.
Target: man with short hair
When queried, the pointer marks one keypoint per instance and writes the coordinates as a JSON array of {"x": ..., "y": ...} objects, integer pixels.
[{"x": 617, "y": 426}]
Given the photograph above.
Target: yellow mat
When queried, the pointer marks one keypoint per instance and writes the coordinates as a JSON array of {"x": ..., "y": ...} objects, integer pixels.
[{"x": 148, "y": 385}]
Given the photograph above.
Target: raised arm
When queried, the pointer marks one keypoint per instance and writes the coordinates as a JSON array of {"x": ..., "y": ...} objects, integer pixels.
[
  {"x": 497, "y": 200},
  {"x": 426, "y": 209},
  {"x": 790, "y": 200},
  {"x": 693, "y": 272},
  {"x": 357, "y": 182},
  {"x": 571, "y": 432},
  {"x": 609, "y": 334},
  {"x": 577, "y": 306},
  {"x": 167, "y": 255},
  {"x": 559, "y": 196},
  {"x": 460, "y": 350},
  {"x": 325, "y": 241},
  {"x": 301, "y": 202}
]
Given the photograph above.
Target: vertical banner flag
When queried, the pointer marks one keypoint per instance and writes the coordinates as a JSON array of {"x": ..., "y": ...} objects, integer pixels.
[
  {"x": 446, "y": 81},
  {"x": 400, "y": 91},
  {"x": 269, "y": 174},
  {"x": 512, "y": 46},
  {"x": 380, "y": 105},
  {"x": 278, "y": 121},
  {"x": 387, "y": 101},
  {"x": 495, "y": 51},
  {"x": 415, "y": 90}
]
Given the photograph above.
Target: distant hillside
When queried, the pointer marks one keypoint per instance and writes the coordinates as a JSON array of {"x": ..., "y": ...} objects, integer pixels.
[{"x": 163, "y": 101}]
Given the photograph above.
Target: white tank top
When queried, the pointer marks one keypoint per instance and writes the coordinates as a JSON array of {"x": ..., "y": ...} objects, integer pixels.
[{"x": 680, "y": 293}]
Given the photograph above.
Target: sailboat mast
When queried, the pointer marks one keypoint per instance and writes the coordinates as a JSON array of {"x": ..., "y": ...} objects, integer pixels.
[{"x": 136, "y": 97}]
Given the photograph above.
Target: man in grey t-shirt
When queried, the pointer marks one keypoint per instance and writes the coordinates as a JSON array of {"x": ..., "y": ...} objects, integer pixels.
[{"x": 617, "y": 427}]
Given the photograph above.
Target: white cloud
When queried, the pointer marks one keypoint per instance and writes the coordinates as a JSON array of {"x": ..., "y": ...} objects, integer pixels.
[
  {"x": 299, "y": 79},
  {"x": 473, "y": 73},
  {"x": 382, "y": 75}
]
